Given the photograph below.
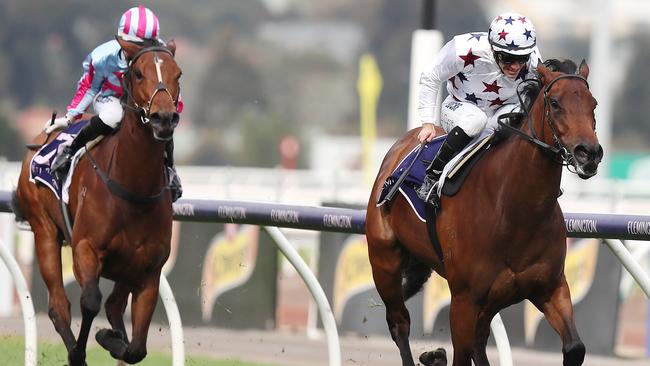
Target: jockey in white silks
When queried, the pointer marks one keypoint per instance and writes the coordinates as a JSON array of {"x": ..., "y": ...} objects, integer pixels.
[
  {"x": 482, "y": 71},
  {"x": 101, "y": 86}
]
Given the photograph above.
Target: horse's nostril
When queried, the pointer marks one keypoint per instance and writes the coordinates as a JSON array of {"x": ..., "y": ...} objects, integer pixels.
[
  {"x": 584, "y": 153},
  {"x": 165, "y": 117},
  {"x": 581, "y": 153}
]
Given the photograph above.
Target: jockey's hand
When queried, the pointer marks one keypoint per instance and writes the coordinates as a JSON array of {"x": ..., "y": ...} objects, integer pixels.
[
  {"x": 427, "y": 133},
  {"x": 58, "y": 123}
]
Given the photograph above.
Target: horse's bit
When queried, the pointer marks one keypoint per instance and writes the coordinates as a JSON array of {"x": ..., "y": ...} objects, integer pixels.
[{"x": 145, "y": 111}]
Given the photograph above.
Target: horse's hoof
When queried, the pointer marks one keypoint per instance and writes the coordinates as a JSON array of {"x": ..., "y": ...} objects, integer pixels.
[
  {"x": 113, "y": 341},
  {"x": 434, "y": 358}
]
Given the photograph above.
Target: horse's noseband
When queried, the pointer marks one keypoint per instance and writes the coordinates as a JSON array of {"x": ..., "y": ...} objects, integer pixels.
[{"x": 145, "y": 111}]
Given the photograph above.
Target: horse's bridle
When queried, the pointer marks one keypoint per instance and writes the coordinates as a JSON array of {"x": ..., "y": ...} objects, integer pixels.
[
  {"x": 559, "y": 150},
  {"x": 145, "y": 111}
]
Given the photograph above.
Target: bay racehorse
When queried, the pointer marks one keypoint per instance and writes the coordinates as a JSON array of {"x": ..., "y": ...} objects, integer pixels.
[
  {"x": 122, "y": 212},
  {"x": 502, "y": 235}
]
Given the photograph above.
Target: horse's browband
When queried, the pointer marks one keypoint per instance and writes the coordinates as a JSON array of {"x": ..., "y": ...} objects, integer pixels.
[
  {"x": 564, "y": 76},
  {"x": 151, "y": 49}
]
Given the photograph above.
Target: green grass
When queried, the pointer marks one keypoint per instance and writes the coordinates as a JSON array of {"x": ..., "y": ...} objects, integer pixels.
[{"x": 12, "y": 353}]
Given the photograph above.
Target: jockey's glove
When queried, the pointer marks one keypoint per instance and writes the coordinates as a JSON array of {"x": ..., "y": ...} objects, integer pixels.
[{"x": 58, "y": 123}]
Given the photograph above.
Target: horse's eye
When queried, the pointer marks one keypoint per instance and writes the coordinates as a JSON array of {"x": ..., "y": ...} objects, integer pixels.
[
  {"x": 554, "y": 104},
  {"x": 138, "y": 74}
]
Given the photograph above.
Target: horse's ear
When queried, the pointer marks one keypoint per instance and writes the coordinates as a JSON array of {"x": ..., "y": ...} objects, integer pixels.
[
  {"x": 583, "y": 70},
  {"x": 171, "y": 45},
  {"x": 544, "y": 73},
  {"x": 130, "y": 48}
]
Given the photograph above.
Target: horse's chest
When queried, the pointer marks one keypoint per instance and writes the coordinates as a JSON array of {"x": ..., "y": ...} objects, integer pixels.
[{"x": 127, "y": 256}]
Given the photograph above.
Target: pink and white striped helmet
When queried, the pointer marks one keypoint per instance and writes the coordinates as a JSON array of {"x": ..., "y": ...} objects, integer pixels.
[{"x": 138, "y": 24}]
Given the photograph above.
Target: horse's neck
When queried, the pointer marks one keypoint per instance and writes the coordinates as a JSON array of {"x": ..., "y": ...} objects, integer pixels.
[
  {"x": 137, "y": 158},
  {"x": 530, "y": 175}
]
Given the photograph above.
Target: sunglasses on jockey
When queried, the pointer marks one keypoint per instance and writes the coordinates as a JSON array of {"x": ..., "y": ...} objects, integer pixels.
[{"x": 509, "y": 59}]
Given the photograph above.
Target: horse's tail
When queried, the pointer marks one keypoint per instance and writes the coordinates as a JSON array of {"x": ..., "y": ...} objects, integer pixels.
[
  {"x": 415, "y": 274},
  {"x": 15, "y": 207}
]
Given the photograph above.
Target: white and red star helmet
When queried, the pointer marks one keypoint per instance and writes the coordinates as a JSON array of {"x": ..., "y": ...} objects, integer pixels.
[
  {"x": 512, "y": 33},
  {"x": 138, "y": 24}
]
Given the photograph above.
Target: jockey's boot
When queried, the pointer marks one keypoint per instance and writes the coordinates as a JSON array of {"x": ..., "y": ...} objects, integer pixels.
[
  {"x": 174, "y": 180},
  {"x": 456, "y": 141},
  {"x": 94, "y": 128}
]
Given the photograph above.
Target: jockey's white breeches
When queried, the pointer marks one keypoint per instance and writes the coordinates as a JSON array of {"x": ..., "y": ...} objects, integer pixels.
[
  {"x": 469, "y": 117},
  {"x": 109, "y": 109}
]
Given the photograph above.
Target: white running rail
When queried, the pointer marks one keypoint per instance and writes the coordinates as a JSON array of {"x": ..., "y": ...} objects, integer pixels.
[
  {"x": 25, "y": 303},
  {"x": 333, "y": 344}
]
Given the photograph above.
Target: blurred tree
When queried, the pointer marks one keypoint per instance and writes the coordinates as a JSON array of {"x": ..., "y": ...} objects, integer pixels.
[
  {"x": 11, "y": 146},
  {"x": 230, "y": 85}
]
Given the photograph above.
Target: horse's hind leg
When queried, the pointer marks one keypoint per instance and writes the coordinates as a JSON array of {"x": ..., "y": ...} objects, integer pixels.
[
  {"x": 48, "y": 253},
  {"x": 559, "y": 313},
  {"x": 386, "y": 259},
  {"x": 479, "y": 355},
  {"x": 115, "y": 340},
  {"x": 143, "y": 303},
  {"x": 86, "y": 268}
]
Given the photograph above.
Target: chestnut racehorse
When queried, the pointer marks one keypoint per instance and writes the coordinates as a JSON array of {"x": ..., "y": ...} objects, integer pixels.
[
  {"x": 502, "y": 235},
  {"x": 122, "y": 220}
]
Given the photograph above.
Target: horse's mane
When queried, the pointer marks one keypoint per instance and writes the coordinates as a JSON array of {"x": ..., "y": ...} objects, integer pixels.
[{"x": 529, "y": 89}]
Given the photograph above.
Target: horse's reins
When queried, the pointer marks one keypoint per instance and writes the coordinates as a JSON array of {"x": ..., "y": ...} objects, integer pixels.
[
  {"x": 566, "y": 158},
  {"x": 145, "y": 111}
]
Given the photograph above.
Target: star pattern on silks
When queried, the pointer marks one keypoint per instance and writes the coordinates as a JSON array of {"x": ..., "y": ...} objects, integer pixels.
[
  {"x": 452, "y": 80},
  {"x": 528, "y": 34},
  {"x": 475, "y": 35},
  {"x": 494, "y": 88},
  {"x": 460, "y": 76},
  {"x": 469, "y": 58},
  {"x": 509, "y": 20},
  {"x": 472, "y": 98},
  {"x": 522, "y": 73},
  {"x": 498, "y": 18},
  {"x": 522, "y": 19},
  {"x": 502, "y": 34},
  {"x": 497, "y": 102},
  {"x": 512, "y": 45}
]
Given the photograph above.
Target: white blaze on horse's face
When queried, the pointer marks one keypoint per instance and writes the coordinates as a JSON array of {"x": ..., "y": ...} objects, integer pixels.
[{"x": 158, "y": 63}]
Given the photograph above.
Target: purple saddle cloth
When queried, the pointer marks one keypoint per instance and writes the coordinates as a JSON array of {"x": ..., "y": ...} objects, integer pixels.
[
  {"x": 415, "y": 177},
  {"x": 40, "y": 170}
]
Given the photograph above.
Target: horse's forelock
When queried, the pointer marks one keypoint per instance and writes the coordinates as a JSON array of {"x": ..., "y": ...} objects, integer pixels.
[{"x": 564, "y": 66}]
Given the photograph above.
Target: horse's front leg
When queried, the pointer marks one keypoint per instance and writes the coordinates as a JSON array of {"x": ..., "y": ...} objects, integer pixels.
[
  {"x": 143, "y": 304},
  {"x": 558, "y": 310},
  {"x": 115, "y": 340},
  {"x": 86, "y": 268},
  {"x": 385, "y": 259},
  {"x": 463, "y": 316}
]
